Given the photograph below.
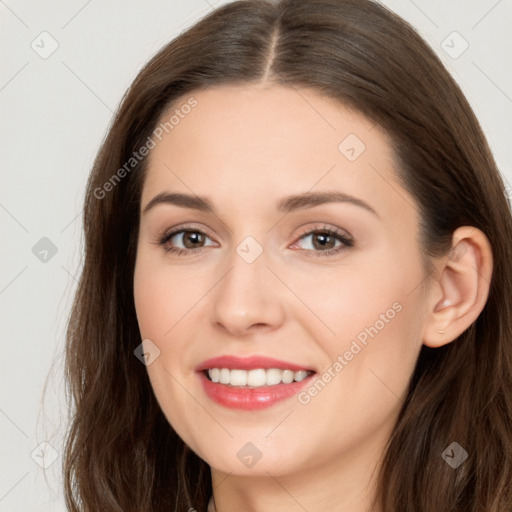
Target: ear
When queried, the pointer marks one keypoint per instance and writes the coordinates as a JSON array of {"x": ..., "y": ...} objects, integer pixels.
[{"x": 459, "y": 295}]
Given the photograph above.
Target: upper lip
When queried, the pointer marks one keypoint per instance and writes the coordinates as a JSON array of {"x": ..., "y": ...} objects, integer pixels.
[{"x": 249, "y": 363}]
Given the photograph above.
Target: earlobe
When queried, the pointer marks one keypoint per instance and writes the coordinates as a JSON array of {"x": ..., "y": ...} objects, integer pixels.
[{"x": 460, "y": 292}]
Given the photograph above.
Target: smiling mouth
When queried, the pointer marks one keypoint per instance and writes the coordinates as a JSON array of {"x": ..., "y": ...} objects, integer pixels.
[{"x": 258, "y": 377}]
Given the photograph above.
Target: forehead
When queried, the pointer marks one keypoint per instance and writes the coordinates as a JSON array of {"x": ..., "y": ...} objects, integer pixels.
[{"x": 264, "y": 141}]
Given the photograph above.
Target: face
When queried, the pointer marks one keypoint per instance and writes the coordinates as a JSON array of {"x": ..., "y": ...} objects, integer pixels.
[{"x": 290, "y": 240}]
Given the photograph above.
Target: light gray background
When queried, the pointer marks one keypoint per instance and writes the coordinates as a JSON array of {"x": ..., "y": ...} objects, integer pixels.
[{"x": 55, "y": 112}]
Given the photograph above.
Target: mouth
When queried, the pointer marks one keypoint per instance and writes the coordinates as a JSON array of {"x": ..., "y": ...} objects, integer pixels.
[
  {"x": 256, "y": 378},
  {"x": 251, "y": 383}
]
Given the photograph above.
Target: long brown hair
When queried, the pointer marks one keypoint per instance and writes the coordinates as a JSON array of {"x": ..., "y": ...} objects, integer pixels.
[{"x": 121, "y": 453}]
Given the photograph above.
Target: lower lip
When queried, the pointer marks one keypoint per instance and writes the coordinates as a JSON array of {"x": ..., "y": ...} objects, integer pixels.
[{"x": 250, "y": 399}]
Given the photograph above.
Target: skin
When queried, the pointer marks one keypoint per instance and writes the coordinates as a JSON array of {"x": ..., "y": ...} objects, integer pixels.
[{"x": 246, "y": 148}]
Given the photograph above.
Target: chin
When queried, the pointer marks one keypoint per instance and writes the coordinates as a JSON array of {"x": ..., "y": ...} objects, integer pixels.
[{"x": 246, "y": 459}]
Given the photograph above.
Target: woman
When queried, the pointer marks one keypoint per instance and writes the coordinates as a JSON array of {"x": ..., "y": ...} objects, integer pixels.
[{"x": 295, "y": 293}]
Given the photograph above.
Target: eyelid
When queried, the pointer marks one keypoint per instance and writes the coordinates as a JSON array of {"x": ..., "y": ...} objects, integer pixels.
[
  {"x": 323, "y": 227},
  {"x": 347, "y": 241},
  {"x": 169, "y": 233},
  {"x": 346, "y": 238}
]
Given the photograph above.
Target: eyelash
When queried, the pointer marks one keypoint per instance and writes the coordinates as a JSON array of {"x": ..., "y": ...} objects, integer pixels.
[{"x": 346, "y": 242}]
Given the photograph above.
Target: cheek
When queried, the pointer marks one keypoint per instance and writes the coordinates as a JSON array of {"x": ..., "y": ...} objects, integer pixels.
[
  {"x": 161, "y": 303},
  {"x": 342, "y": 303},
  {"x": 162, "y": 297},
  {"x": 371, "y": 317},
  {"x": 346, "y": 298}
]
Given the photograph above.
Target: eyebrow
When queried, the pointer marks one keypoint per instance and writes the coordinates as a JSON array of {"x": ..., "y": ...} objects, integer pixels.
[{"x": 285, "y": 205}]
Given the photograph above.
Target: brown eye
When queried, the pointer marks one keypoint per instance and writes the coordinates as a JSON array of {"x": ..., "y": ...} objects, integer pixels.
[
  {"x": 322, "y": 240},
  {"x": 191, "y": 239},
  {"x": 183, "y": 241}
]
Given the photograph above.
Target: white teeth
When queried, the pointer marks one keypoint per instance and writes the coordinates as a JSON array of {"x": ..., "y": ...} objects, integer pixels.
[
  {"x": 238, "y": 378},
  {"x": 224, "y": 376},
  {"x": 274, "y": 376},
  {"x": 287, "y": 376},
  {"x": 300, "y": 375},
  {"x": 256, "y": 378}
]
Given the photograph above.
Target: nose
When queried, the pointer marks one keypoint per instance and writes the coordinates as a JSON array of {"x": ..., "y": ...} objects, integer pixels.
[{"x": 248, "y": 298}]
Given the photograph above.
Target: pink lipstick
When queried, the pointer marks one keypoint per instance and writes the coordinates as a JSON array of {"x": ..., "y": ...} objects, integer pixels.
[{"x": 251, "y": 383}]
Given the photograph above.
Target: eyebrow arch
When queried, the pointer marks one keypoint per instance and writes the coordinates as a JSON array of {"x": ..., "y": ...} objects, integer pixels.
[
  {"x": 285, "y": 205},
  {"x": 311, "y": 199},
  {"x": 184, "y": 200}
]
